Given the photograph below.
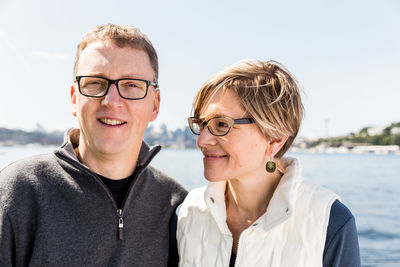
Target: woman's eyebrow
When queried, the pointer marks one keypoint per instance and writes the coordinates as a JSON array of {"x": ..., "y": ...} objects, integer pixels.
[{"x": 211, "y": 115}]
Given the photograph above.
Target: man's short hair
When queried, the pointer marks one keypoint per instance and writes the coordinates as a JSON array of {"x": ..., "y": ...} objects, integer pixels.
[{"x": 120, "y": 35}]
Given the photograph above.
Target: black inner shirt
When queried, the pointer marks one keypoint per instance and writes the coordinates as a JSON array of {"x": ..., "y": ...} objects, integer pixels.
[
  {"x": 232, "y": 260},
  {"x": 118, "y": 188}
]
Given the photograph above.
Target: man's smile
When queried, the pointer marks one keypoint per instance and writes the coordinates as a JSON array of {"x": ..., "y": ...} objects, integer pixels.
[{"x": 111, "y": 122}]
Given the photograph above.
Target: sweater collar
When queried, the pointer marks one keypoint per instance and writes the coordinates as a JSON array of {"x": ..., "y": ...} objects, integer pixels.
[
  {"x": 71, "y": 141},
  {"x": 280, "y": 207}
]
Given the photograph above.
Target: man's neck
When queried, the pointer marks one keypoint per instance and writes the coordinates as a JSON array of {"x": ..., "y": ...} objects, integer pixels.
[{"x": 114, "y": 166}]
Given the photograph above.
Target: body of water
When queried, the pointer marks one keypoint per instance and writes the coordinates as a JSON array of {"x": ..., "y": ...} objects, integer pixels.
[{"x": 368, "y": 184}]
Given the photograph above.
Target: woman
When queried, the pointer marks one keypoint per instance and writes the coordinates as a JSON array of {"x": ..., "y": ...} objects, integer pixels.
[{"x": 257, "y": 210}]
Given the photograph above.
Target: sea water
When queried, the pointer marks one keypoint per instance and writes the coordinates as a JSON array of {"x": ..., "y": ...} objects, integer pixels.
[{"x": 369, "y": 185}]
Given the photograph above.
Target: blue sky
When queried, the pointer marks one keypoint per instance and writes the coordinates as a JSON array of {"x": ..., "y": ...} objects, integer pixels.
[{"x": 346, "y": 54}]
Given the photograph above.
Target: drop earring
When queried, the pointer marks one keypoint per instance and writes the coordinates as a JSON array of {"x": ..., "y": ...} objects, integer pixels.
[{"x": 270, "y": 166}]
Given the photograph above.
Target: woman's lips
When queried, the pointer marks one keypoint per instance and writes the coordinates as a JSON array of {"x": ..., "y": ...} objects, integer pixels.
[{"x": 214, "y": 157}]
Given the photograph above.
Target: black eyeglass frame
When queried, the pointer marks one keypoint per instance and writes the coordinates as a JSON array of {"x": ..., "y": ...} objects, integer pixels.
[
  {"x": 109, "y": 81},
  {"x": 205, "y": 123}
]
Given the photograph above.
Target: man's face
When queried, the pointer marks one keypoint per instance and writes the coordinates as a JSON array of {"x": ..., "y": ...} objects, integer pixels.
[{"x": 111, "y": 125}]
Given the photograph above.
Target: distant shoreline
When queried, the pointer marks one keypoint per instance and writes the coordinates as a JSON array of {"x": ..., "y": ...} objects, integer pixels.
[{"x": 357, "y": 150}]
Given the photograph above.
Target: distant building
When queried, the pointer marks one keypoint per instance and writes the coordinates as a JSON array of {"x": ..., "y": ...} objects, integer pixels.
[
  {"x": 375, "y": 130},
  {"x": 376, "y": 149},
  {"x": 395, "y": 130}
]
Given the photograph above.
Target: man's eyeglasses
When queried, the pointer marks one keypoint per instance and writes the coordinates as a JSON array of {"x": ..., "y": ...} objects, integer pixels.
[
  {"x": 218, "y": 126},
  {"x": 132, "y": 89}
]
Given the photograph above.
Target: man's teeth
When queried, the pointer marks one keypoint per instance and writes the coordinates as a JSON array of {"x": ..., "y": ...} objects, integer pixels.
[{"x": 111, "y": 122}]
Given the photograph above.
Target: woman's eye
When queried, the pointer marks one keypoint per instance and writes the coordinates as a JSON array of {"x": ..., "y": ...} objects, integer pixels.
[{"x": 222, "y": 124}]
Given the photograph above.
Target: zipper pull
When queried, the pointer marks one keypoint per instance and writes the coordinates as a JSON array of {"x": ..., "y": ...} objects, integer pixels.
[{"x": 120, "y": 224}]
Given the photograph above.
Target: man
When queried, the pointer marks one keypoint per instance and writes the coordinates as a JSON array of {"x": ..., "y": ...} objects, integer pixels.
[{"x": 95, "y": 201}]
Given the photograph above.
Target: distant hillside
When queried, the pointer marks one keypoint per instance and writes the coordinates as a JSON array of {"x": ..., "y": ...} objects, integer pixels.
[
  {"x": 389, "y": 135},
  {"x": 20, "y": 137},
  {"x": 183, "y": 138},
  {"x": 179, "y": 138}
]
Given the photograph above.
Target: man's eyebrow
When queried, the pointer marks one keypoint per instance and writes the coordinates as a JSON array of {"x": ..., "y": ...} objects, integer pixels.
[
  {"x": 129, "y": 75},
  {"x": 93, "y": 74},
  {"x": 124, "y": 76}
]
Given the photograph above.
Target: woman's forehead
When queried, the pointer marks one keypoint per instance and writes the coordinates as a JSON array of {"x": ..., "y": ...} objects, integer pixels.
[{"x": 224, "y": 103}]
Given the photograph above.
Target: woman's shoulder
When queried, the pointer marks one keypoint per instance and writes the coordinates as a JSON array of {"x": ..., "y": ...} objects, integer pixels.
[
  {"x": 196, "y": 193},
  {"x": 315, "y": 194},
  {"x": 341, "y": 245},
  {"x": 212, "y": 194},
  {"x": 195, "y": 197},
  {"x": 340, "y": 216}
]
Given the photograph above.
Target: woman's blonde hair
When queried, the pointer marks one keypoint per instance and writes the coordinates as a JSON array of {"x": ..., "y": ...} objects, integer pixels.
[{"x": 268, "y": 92}]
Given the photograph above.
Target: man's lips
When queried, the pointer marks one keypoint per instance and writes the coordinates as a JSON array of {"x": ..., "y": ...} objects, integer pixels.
[{"x": 111, "y": 122}]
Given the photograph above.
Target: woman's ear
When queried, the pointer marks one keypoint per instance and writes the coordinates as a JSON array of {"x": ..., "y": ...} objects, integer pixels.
[{"x": 276, "y": 145}]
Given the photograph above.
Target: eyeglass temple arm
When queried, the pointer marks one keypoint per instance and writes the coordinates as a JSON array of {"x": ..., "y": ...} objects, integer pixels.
[{"x": 244, "y": 121}]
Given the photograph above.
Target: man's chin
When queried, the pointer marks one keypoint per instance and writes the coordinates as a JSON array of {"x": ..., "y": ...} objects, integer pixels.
[{"x": 108, "y": 147}]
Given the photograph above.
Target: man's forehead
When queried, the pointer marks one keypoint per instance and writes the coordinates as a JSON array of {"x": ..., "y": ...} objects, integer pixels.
[
  {"x": 104, "y": 57},
  {"x": 105, "y": 46}
]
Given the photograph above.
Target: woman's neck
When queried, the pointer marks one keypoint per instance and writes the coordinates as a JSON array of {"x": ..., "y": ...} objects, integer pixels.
[
  {"x": 246, "y": 200},
  {"x": 249, "y": 197}
]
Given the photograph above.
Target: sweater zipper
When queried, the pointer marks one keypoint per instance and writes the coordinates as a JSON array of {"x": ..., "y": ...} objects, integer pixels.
[
  {"x": 120, "y": 224},
  {"x": 120, "y": 212}
]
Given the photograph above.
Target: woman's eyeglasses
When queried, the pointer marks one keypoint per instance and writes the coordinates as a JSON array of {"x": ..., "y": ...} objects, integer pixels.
[{"x": 218, "y": 126}]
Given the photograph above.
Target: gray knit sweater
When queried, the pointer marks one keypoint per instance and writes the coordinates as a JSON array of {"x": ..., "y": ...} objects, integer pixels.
[{"x": 54, "y": 211}]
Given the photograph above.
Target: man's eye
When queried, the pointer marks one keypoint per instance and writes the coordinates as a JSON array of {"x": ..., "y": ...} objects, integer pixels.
[
  {"x": 133, "y": 85},
  {"x": 93, "y": 82}
]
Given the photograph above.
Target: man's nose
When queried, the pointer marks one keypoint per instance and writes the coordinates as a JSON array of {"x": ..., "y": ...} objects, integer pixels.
[{"x": 112, "y": 97}]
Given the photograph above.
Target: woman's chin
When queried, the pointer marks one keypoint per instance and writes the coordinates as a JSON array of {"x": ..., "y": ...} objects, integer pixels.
[{"x": 213, "y": 177}]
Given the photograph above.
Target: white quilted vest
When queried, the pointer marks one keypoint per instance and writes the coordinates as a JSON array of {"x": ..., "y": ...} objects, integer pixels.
[{"x": 292, "y": 231}]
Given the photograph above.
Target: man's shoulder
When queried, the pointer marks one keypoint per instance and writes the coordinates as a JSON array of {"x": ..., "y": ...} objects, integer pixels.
[
  {"x": 161, "y": 176},
  {"x": 24, "y": 173},
  {"x": 163, "y": 180},
  {"x": 21, "y": 179},
  {"x": 27, "y": 166}
]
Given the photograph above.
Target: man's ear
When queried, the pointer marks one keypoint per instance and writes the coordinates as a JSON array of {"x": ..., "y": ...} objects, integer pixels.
[
  {"x": 156, "y": 105},
  {"x": 73, "y": 100},
  {"x": 276, "y": 145}
]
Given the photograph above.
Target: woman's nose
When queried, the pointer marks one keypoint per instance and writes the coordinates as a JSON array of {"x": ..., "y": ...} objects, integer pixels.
[{"x": 205, "y": 138}]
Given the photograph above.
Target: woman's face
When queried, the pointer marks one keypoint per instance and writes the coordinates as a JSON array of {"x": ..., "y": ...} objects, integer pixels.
[{"x": 242, "y": 153}]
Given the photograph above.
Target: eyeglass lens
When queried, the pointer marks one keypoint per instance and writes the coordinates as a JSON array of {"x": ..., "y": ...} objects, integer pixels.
[
  {"x": 216, "y": 126},
  {"x": 128, "y": 88}
]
